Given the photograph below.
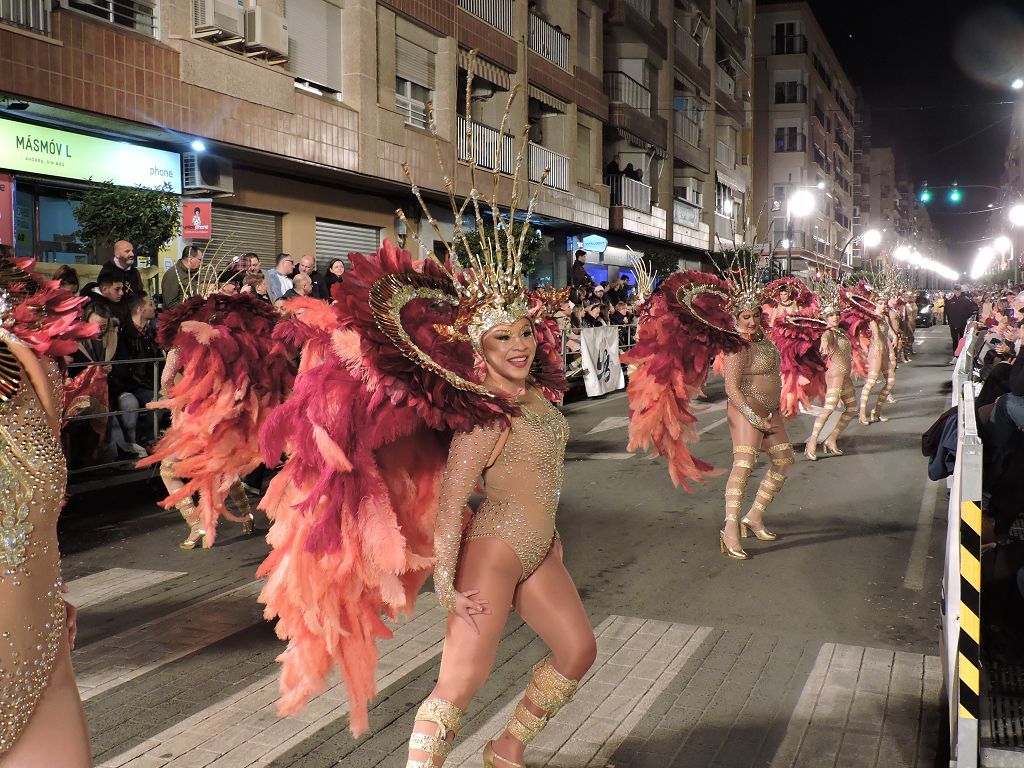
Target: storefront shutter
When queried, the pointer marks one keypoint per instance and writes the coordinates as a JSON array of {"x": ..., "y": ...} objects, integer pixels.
[
  {"x": 414, "y": 63},
  {"x": 336, "y": 240},
  {"x": 237, "y": 231}
]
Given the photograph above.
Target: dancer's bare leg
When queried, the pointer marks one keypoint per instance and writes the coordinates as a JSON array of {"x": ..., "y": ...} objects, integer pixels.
[{"x": 549, "y": 602}]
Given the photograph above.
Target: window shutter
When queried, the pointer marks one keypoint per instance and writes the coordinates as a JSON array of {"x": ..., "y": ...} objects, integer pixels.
[
  {"x": 414, "y": 63},
  {"x": 314, "y": 42}
]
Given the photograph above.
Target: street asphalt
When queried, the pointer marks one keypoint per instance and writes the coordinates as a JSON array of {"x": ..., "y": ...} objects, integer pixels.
[{"x": 819, "y": 650}]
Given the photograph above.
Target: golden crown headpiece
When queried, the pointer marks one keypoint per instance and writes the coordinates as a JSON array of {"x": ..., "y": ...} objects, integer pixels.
[
  {"x": 217, "y": 268},
  {"x": 829, "y": 295},
  {"x": 644, "y": 278},
  {"x": 489, "y": 286},
  {"x": 746, "y": 289}
]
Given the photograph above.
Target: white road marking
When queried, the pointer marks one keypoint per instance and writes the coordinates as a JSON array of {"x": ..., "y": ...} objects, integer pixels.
[
  {"x": 610, "y": 423},
  {"x": 116, "y": 659},
  {"x": 636, "y": 661},
  {"x": 914, "y": 576},
  {"x": 585, "y": 406},
  {"x": 113, "y": 583},
  {"x": 599, "y": 456},
  {"x": 712, "y": 425},
  {"x": 244, "y": 729}
]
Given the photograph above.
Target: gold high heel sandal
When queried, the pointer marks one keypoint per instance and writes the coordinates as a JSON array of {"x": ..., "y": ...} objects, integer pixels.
[
  {"x": 196, "y": 534},
  {"x": 241, "y": 502},
  {"x": 490, "y": 756},
  {"x": 809, "y": 451},
  {"x": 735, "y": 554},
  {"x": 447, "y": 717},
  {"x": 832, "y": 450},
  {"x": 762, "y": 534}
]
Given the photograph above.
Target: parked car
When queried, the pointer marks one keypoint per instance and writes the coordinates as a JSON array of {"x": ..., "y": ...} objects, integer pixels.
[{"x": 925, "y": 316}]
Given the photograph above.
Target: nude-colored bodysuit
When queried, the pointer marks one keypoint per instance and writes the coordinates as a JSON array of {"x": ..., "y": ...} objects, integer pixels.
[
  {"x": 756, "y": 373},
  {"x": 522, "y": 488},
  {"x": 840, "y": 358},
  {"x": 32, "y": 483}
]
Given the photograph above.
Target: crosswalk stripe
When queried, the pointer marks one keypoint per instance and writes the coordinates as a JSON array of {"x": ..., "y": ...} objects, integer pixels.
[
  {"x": 636, "y": 660},
  {"x": 114, "y": 583},
  {"x": 126, "y": 655},
  {"x": 244, "y": 728}
]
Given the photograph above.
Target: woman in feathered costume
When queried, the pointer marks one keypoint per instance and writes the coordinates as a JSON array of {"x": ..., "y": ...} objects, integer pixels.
[
  {"x": 223, "y": 375},
  {"x": 692, "y": 318},
  {"x": 803, "y": 380},
  {"x": 837, "y": 349},
  {"x": 435, "y": 377},
  {"x": 41, "y": 717},
  {"x": 881, "y": 355}
]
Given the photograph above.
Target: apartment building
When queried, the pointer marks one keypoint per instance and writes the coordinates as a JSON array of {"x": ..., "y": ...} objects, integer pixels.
[
  {"x": 803, "y": 140},
  {"x": 295, "y": 117}
]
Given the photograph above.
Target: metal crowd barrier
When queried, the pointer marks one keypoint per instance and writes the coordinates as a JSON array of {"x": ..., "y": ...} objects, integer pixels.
[
  {"x": 961, "y": 585},
  {"x": 571, "y": 358},
  {"x": 142, "y": 411}
]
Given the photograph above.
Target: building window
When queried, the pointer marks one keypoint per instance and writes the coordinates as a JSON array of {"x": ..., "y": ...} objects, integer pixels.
[
  {"x": 314, "y": 45},
  {"x": 789, "y": 140},
  {"x": 411, "y": 100},
  {"x": 138, "y": 17},
  {"x": 725, "y": 201},
  {"x": 791, "y": 92},
  {"x": 787, "y": 39}
]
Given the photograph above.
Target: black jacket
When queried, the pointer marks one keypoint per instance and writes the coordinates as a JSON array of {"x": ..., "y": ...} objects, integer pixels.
[
  {"x": 133, "y": 344},
  {"x": 130, "y": 277},
  {"x": 960, "y": 309},
  {"x": 580, "y": 277}
]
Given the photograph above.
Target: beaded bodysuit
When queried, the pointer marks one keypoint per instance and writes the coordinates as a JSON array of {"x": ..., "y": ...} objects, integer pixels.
[
  {"x": 32, "y": 483},
  {"x": 840, "y": 356},
  {"x": 755, "y": 375},
  {"x": 522, "y": 488}
]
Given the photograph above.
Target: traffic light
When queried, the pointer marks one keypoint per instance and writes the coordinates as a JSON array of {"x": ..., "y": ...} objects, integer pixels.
[
  {"x": 925, "y": 195},
  {"x": 954, "y": 194}
]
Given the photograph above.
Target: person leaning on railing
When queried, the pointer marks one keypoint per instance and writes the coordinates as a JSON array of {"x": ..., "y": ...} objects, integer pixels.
[{"x": 135, "y": 381}]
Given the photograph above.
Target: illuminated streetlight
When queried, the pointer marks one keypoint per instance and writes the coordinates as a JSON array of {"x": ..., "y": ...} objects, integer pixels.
[
  {"x": 872, "y": 238},
  {"x": 1017, "y": 84},
  {"x": 1016, "y": 214},
  {"x": 902, "y": 253},
  {"x": 1002, "y": 244},
  {"x": 801, "y": 204},
  {"x": 982, "y": 262}
]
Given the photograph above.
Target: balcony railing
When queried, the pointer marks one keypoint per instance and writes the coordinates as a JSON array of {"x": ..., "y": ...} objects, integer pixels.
[
  {"x": 685, "y": 214},
  {"x": 730, "y": 10},
  {"x": 725, "y": 153},
  {"x": 725, "y": 82},
  {"x": 643, "y": 7},
  {"x": 549, "y": 42},
  {"x": 630, "y": 193},
  {"x": 688, "y": 44},
  {"x": 822, "y": 159},
  {"x": 497, "y": 13},
  {"x": 687, "y": 128},
  {"x": 492, "y": 150},
  {"x": 33, "y": 15},
  {"x": 621, "y": 87},
  {"x": 137, "y": 16},
  {"x": 541, "y": 158},
  {"x": 788, "y": 44}
]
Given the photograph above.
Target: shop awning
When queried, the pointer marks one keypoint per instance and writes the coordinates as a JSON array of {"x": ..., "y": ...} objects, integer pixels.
[{"x": 485, "y": 70}]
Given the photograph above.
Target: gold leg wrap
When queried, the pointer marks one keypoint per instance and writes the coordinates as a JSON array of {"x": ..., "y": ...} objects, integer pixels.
[
  {"x": 549, "y": 691},
  {"x": 743, "y": 460},
  {"x": 242, "y": 506},
  {"x": 883, "y": 395},
  {"x": 447, "y": 717},
  {"x": 848, "y": 414},
  {"x": 831, "y": 401},
  {"x": 865, "y": 394},
  {"x": 772, "y": 482}
]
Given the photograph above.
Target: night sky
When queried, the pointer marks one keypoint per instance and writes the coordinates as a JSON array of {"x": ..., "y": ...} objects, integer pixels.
[{"x": 936, "y": 76}]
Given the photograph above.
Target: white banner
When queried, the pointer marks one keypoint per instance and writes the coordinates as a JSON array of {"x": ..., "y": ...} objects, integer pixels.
[{"x": 600, "y": 350}]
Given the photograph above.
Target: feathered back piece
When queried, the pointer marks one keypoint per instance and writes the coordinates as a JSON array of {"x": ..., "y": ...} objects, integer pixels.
[
  {"x": 827, "y": 293},
  {"x": 644, "y": 278},
  {"x": 858, "y": 314},
  {"x": 40, "y": 314},
  {"x": 366, "y": 432},
  {"x": 232, "y": 373},
  {"x": 800, "y": 294},
  {"x": 682, "y": 328}
]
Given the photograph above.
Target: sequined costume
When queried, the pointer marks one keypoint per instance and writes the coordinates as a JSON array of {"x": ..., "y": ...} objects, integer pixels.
[
  {"x": 40, "y": 712},
  {"x": 837, "y": 349},
  {"x": 879, "y": 361},
  {"x": 522, "y": 486}
]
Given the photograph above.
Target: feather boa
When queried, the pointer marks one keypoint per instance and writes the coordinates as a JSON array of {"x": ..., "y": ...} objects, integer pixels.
[
  {"x": 47, "y": 318},
  {"x": 366, "y": 432},
  {"x": 672, "y": 357},
  {"x": 232, "y": 375}
]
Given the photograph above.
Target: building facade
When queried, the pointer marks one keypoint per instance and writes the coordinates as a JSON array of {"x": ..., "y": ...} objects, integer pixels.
[
  {"x": 804, "y": 140},
  {"x": 296, "y": 116}
]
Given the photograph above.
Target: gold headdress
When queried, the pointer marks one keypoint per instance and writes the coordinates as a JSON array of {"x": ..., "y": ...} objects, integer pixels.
[
  {"x": 829, "y": 295},
  {"x": 644, "y": 278},
  {"x": 746, "y": 290},
  {"x": 489, "y": 288}
]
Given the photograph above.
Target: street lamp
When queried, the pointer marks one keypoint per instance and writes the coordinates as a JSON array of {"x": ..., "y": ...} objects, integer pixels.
[
  {"x": 1017, "y": 84},
  {"x": 902, "y": 253},
  {"x": 799, "y": 205},
  {"x": 986, "y": 255},
  {"x": 1016, "y": 217},
  {"x": 870, "y": 239}
]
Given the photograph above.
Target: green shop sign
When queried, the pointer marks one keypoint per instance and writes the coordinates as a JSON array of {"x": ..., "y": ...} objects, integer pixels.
[{"x": 49, "y": 151}]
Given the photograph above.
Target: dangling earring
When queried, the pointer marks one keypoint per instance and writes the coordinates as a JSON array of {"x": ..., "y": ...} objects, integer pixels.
[{"x": 479, "y": 366}]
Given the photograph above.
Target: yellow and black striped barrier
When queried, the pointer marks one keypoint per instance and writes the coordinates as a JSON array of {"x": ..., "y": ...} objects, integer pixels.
[{"x": 969, "y": 646}]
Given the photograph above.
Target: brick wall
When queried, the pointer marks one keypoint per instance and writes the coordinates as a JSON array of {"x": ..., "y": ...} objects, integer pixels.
[{"x": 439, "y": 15}]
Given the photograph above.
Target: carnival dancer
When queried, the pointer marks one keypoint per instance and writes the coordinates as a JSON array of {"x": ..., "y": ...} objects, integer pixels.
[
  {"x": 879, "y": 360},
  {"x": 436, "y": 374},
  {"x": 41, "y": 716},
  {"x": 692, "y": 318},
  {"x": 223, "y": 375},
  {"x": 837, "y": 349},
  {"x": 791, "y": 328},
  {"x": 785, "y": 296}
]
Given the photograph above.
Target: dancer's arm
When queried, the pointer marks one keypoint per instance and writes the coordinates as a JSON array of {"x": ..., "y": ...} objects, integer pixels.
[
  {"x": 470, "y": 454},
  {"x": 732, "y": 370}
]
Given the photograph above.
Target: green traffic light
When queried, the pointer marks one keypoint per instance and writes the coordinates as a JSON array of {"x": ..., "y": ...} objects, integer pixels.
[
  {"x": 954, "y": 195},
  {"x": 926, "y": 196}
]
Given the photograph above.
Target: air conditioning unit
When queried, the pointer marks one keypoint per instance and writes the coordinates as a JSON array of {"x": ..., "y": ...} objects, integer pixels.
[
  {"x": 206, "y": 173},
  {"x": 223, "y": 21},
  {"x": 266, "y": 33}
]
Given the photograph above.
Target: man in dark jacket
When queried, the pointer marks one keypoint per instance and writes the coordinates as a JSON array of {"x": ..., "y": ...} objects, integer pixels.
[
  {"x": 579, "y": 277},
  {"x": 122, "y": 267},
  {"x": 959, "y": 309},
  {"x": 179, "y": 279}
]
